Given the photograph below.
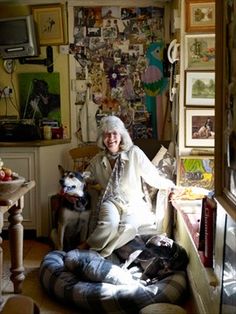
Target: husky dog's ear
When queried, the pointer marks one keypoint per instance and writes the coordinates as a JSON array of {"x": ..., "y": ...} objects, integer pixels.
[
  {"x": 61, "y": 169},
  {"x": 86, "y": 174}
]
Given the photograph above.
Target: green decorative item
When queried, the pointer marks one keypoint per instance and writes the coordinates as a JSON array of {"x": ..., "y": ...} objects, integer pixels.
[{"x": 154, "y": 83}]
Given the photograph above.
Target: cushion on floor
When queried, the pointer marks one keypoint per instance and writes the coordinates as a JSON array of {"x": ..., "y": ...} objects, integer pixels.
[{"x": 89, "y": 281}]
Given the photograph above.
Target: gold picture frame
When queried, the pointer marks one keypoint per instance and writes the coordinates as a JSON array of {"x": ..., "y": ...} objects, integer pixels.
[
  {"x": 200, "y": 16},
  {"x": 50, "y": 25}
]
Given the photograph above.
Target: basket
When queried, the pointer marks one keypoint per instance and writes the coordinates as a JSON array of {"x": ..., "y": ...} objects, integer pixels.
[{"x": 8, "y": 187}]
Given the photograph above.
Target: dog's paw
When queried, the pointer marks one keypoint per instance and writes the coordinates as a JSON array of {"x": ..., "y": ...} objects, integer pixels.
[{"x": 86, "y": 174}]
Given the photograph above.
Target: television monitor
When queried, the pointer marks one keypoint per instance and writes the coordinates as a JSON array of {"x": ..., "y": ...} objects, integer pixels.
[{"x": 18, "y": 37}]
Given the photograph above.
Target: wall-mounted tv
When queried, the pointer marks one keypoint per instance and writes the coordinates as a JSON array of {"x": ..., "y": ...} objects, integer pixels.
[{"x": 18, "y": 37}]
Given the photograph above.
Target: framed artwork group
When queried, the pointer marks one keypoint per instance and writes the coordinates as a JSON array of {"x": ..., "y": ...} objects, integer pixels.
[{"x": 199, "y": 94}]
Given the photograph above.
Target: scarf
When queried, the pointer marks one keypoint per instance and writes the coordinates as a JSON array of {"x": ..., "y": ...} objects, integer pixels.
[{"x": 112, "y": 192}]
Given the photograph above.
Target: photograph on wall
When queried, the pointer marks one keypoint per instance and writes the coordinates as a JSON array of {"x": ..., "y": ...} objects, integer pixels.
[
  {"x": 111, "y": 13},
  {"x": 40, "y": 96},
  {"x": 116, "y": 50},
  {"x": 196, "y": 171},
  {"x": 199, "y": 127},
  {"x": 200, "y": 88},
  {"x": 200, "y": 52}
]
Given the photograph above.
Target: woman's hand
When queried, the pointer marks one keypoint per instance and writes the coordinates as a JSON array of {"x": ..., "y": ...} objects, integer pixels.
[{"x": 83, "y": 246}]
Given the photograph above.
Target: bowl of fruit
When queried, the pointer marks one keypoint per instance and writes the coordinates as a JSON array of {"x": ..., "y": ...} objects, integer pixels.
[{"x": 10, "y": 181}]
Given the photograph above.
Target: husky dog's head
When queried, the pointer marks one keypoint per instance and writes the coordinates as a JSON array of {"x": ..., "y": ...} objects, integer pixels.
[{"x": 72, "y": 182}]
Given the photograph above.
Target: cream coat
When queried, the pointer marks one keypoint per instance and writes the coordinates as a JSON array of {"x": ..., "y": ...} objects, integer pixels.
[{"x": 119, "y": 220}]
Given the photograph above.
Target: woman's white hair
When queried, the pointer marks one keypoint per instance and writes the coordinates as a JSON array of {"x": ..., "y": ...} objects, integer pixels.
[{"x": 111, "y": 124}]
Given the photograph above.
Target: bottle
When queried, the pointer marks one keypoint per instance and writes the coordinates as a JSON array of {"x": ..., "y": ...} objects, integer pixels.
[
  {"x": 47, "y": 132},
  {"x": 65, "y": 132}
]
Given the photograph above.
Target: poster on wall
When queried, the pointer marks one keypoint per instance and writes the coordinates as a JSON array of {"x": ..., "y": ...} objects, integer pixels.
[
  {"x": 110, "y": 47},
  {"x": 40, "y": 96}
]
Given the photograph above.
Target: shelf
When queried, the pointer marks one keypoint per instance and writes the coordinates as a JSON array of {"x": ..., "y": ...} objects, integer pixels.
[
  {"x": 189, "y": 217},
  {"x": 37, "y": 143}
]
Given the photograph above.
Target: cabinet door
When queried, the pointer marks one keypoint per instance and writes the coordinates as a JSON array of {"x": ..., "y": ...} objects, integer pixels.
[{"x": 24, "y": 164}]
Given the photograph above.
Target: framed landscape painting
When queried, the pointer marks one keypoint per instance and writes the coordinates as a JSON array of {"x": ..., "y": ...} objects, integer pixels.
[
  {"x": 199, "y": 127},
  {"x": 199, "y": 88}
]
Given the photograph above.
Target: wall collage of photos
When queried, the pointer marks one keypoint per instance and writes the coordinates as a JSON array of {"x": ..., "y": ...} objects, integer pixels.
[{"x": 110, "y": 47}]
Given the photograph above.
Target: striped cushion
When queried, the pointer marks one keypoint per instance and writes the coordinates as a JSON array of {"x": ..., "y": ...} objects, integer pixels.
[{"x": 90, "y": 282}]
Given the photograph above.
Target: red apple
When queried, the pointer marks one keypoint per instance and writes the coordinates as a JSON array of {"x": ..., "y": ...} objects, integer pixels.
[
  {"x": 7, "y": 178},
  {"x": 2, "y": 174}
]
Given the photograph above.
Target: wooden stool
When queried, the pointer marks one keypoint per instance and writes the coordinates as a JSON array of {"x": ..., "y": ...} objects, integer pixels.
[
  {"x": 20, "y": 304},
  {"x": 164, "y": 308}
]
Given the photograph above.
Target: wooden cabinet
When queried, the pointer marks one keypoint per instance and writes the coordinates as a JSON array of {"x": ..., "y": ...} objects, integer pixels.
[
  {"x": 24, "y": 163},
  {"x": 38, "y": 163}
]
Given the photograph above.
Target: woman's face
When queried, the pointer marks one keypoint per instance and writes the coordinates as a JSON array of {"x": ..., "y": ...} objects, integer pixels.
[{"x": 112, "y": 141}]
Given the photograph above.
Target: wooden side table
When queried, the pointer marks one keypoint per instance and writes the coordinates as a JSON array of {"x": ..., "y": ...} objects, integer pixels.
[{"x": 14, "y": 204}]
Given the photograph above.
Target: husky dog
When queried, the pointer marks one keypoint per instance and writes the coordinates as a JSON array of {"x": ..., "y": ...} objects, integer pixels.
[{"x": 71, "y": 211}]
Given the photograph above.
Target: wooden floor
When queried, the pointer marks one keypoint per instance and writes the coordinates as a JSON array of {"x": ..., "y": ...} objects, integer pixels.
[{"x": 34, "y": 251}]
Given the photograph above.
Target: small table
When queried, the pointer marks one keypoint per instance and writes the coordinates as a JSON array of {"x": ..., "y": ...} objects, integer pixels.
[{"x": 14, "y": 204}]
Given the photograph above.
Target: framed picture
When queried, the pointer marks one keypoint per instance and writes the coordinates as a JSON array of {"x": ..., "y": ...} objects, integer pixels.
[
  {"x": 199, "y": 127},
  {"x": 196, "y": 171},
  {"x": 200, "y": 16},
  {"x": 49, "y": 21},
  {"x": 40, "y": 96},
  {"x": 200, "y": 52},
  {"x": 200, "y": 88}
]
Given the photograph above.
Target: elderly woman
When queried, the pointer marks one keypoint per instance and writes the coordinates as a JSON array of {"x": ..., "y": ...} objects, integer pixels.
[{"x": 118, "y": 169}]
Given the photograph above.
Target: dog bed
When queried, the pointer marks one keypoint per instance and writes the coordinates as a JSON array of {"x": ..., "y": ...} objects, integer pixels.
[{"x": 90, "y": 282}]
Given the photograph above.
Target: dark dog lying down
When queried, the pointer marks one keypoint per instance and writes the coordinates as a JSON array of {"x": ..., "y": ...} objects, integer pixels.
[
  {"x": 157, "y": 255},
  {"x": 71, "y": 211}
]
